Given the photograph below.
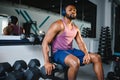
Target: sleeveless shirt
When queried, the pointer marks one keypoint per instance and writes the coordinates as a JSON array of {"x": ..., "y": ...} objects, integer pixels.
[{"x": 63, "y": 41}]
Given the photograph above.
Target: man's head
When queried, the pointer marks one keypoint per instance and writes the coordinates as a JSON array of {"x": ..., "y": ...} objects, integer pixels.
[
  {"x": 69, "y": 11},
  {"x": 13, "y": 20}
]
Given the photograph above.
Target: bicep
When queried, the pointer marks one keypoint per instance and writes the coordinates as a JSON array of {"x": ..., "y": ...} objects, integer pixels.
[
  {"x": 78, "y": 37},
  {"x": 51, "y": 33}
]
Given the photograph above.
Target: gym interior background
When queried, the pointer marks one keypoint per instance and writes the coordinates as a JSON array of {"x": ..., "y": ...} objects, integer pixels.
[{"x": 98, "y": 21}]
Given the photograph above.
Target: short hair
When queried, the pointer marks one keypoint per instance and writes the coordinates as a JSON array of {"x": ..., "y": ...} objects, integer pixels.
[{"x": 13, "y": 19}]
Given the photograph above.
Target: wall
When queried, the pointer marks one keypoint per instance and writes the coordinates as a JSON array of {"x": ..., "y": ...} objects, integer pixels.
[
  {"x": 22, "y": 52},
  {"x": 42, "y": 18},
  {"x": 103, "y": 14},
  {"x": 12, "y": 53}
]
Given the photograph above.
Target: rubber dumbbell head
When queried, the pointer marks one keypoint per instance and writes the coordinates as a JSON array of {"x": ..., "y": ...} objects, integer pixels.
[
  {"x": 20, "y": 65},
  {"x": 34, "y": 63}
]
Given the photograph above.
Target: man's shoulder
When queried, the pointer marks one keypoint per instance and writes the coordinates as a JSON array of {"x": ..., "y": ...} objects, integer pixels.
[
  {"x": 57, "y": 24},
  {"x": 59, "y": 21}
]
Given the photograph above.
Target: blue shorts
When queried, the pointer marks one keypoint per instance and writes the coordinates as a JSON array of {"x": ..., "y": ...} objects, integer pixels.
[{"x": 60, "y": 55}]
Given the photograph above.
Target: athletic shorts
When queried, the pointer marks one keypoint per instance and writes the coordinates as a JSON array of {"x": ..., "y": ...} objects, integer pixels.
[{"x": 60, "y": 55}]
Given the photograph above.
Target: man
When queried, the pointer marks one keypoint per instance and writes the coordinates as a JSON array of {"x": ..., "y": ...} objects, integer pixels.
[
  {"x": 61, "y": 34},
  {"x": 13, "y": 28}
]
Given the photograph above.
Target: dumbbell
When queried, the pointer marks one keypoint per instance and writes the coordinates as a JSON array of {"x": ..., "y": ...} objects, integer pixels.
[
  {"x": 58, "y": 68},
  {"x": 20, "y": 65},
  {"x": 22, "y": 36},
  {"x": 111, "y": 76},
  {"x": 19, "y": 68},
  {"x": 33, "y": 71},
  {"x": 117, "y": 70},
  {"x": 31, "y": 38},
  {"x": 34, "y": 63},
  {"x": 5, "y": 68}
]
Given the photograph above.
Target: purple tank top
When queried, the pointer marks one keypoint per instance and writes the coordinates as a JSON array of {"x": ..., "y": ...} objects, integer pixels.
[{"x": 64, "y": 40}]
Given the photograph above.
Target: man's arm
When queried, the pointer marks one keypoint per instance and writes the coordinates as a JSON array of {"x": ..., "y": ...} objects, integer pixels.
[
  {"x": 80, "y": 42},
  {"x": 82, "y": 47},
  {"x": 51, "y": 33}
]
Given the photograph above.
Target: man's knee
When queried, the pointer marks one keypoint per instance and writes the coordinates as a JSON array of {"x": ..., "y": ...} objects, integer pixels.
[
  {"x": 73, "y": 62},
  {"x": 96, "y": 57}
]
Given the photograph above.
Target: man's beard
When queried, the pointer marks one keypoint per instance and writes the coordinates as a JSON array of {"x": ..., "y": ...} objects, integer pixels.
[{"x": 71, "y": 17}]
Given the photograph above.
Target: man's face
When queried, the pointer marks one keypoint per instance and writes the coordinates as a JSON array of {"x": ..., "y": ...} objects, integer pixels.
[{"x": 71, "y": 12}]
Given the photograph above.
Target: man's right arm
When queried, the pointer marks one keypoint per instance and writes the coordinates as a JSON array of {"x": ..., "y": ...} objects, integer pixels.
[{"x": 51, "y": 33}]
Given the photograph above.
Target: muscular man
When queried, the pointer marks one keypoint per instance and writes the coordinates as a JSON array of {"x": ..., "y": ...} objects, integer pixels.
[
  {"x": 61, "y": 34},
  {"x": 13, "y": 28}
]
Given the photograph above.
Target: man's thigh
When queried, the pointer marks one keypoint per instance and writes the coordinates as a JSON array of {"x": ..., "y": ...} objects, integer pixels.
[{"x": 60, "y": 55}]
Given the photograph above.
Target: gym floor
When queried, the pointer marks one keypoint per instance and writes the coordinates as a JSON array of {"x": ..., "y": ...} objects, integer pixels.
[{"x": 87, "y": 73}]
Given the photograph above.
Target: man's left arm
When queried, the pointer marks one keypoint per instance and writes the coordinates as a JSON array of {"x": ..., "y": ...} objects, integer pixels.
[{"x": 82, "y": 47}]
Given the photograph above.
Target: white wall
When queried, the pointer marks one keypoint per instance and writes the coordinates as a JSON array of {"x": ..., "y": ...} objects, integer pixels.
[
  {"x": 107, "y": 13},
  {"x": 21, "y": 52},
  {"x": 103, "y": 14},
  {"x": 27, "y": 52}
]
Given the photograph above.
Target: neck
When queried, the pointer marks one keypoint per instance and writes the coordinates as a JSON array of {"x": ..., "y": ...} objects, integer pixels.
[{"x": 67, "y": 21}]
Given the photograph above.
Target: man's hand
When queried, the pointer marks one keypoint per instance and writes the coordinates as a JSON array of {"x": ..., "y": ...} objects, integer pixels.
[
  {"x": 49, "y": 67},
  {"x": 86, "y": 59}
]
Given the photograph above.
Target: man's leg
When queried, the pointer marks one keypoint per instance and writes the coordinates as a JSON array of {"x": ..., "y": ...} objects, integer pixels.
[
  {"x": 97, "y": 64},
  {"x": 74, "y": 64},
  {"x": 66, "y": 58}
]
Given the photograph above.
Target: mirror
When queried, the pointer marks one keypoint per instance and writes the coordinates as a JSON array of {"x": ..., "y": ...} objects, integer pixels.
[
  {"x": 9, "y": 19},
  {"x": 35, "y": 16}
]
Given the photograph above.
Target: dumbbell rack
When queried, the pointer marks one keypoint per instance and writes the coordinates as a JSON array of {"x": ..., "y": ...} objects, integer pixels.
[
  {"x": 104, "y": 48},
  {"x": 86, "y": 32},
  {"x": 20, "y": 70}
]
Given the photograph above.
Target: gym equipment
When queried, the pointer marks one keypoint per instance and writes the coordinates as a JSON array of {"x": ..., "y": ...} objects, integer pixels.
[
  {"x": 22, "y": 36},
  {"x": 20, "y": 65},
  {"x": 41, "y": 36},
  {"x": 5, "y": 68},
  {"x": 86, "y": 32},
  {"x": 16, "y": 75},
  {"x": 58, "y": 68},
  {"x": 27, "y": 28},
  {"x": 36, "y": 39},
  {"x": 117, "y": 66},
  {"x": 105, "y": 49},
  {"x": 34, "y": 63},
  {"x": 33, "y": 71},
  {"x": 19, "y": 68},
  {"x": 111, "y": 76},
  {"x": 115, "y": 75},
  {"x": 31, "y": 38},
  {"x": 32, "y": 74}
]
